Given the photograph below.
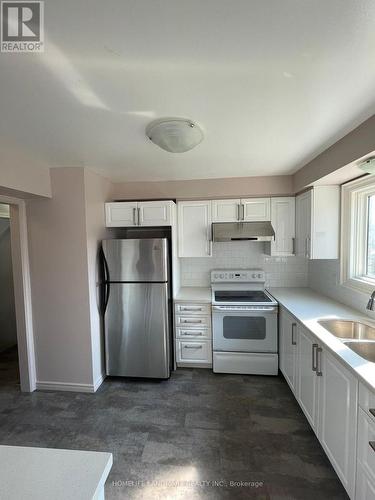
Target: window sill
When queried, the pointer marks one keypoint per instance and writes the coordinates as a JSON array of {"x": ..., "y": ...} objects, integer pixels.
[{"x": 360, "y": 285}]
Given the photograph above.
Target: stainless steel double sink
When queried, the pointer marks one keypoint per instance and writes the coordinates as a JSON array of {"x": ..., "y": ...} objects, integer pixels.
[{"x": 358, "y": 336}]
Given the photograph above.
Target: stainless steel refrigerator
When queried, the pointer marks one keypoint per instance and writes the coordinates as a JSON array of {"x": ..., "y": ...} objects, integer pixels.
[{"x": 137, "y": 319}]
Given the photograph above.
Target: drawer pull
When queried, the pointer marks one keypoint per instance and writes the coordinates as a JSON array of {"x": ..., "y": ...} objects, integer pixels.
[
  {"x": 195, "y": 334},
  {"x": 294, "y": 326},
  {"x": 192, "y": 321},
  {"x": 319, "y": 361},
  {"x": 191, "y": 309},
  {"x": 193, "y": 347},
  {"x": 314, "y": 357},
  {"x": 372, "y": 411},
  {"x": 372, "y": 444}
]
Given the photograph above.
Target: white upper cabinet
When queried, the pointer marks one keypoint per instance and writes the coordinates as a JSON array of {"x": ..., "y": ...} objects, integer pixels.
[
  {"x": 249, "y": 210},
  {"x": 226, "y": 210},
  {"x": 283, "y": 222},
  {"x": 142, "y": 213},
  {"x": 155, "y": 213},
  {"x": 303, "y": 224},
  {"x": 317, "y": 223},
  {"x": 256, "y": 209},
  {"x": 194, "y": 229},
  {"x": 121, "y": 214}
]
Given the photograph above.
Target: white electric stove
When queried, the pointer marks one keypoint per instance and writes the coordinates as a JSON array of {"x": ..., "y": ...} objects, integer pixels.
[{"x": 244, "y": 317}]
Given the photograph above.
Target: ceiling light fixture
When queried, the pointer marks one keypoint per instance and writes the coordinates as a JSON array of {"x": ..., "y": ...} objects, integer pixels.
[
  {"x": 175, "y": 135},
  {"x": 368, "y": 165}
]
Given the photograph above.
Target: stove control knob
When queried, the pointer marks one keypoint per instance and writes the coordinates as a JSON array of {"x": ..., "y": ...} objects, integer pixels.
[
  {"x": 254, "y": 276},
  {"x": 221, "y": 276},
  {"x": 259, "y": 275}
]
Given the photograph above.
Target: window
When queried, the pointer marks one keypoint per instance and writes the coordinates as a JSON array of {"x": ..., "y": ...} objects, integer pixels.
[{"x": 358, "y": 234}]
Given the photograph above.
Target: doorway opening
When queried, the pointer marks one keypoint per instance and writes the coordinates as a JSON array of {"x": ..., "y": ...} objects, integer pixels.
[{"x": 9, "y": 366}]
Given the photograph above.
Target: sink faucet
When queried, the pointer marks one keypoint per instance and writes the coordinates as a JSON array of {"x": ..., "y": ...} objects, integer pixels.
[{"x": 371, "y": 302}]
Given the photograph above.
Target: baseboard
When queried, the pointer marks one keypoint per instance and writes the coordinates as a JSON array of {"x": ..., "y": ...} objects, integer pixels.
[
  {"x": 99, "y": 381},
  {"x": 67, "y": 386}
]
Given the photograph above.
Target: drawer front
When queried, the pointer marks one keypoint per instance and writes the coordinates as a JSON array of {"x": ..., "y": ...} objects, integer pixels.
[
  {"x": 193, "y": 333},
  {"x": 193, "y": 321},
  {"x": 367, "y": 401},
  {"x": 185, "y": 308},
  {"x": 366, "y": 444},
  {"x": 365, "y": 488},
  {"x": 194, "y": 351}
]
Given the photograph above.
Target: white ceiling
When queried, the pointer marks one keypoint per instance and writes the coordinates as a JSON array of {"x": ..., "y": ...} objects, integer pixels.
[{"x": 271, "y": 82}]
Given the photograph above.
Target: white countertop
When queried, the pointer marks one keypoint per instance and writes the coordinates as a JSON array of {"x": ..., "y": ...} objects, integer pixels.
[
  {"x": 308, "y": 307},
  {"x": 194, "y": 294},
  {"x": 46, "y": 473}
]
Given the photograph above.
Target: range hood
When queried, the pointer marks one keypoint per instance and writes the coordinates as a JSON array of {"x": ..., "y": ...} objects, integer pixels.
[{"x": 242, "y": 231}]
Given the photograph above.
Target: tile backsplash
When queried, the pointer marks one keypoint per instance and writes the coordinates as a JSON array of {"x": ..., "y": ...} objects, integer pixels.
[{"x": 280, "y": 271}]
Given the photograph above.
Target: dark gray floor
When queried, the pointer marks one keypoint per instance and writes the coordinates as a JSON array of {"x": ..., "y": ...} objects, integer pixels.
[{"x": 174, "y": 439}]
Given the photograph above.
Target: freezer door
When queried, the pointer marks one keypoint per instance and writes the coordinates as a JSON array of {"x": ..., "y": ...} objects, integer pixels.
[
  {"x": 137, "y": 335},
  {"x": 136, "y": 259}
]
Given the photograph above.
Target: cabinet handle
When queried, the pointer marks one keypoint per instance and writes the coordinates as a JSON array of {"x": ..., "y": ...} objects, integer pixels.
[
  {"x": 138, "y": 215},
  {"x": 192, "y": 321},
  {"x": 193, "y": 347},
  {"x": 135, "y": 216},
  {"x": 319, "y": 361},
  {"x": 191, "y": 309},
  {"x": 293, "y": 331},
  {"x": 238, "y": 211},
  {"x": 242, "y": 211},
  {"x": 195, "y": 334},
  {"x": 314, "y": 360},
  {"x": 308, "y": 247},
  {"x": 372, "y": 444},
  {"x": 293, "y": 246}
]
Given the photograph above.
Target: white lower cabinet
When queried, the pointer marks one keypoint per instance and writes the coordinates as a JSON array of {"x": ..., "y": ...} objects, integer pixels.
[
  {"x": 307, "y": 381},
  {"x": 338, "y": 402},
  {"x": 194, "y": 351},
  {"x": 193, "y": 339},
  {"x": 288, "y": 347},
  {"x": 365, "y": 487},
  {"x": 365, "y": 483},
  {"x": 328, "y": 395}
]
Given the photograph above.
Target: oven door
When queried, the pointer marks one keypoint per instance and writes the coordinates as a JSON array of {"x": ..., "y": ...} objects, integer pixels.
[{"x": 244, "y": 330}]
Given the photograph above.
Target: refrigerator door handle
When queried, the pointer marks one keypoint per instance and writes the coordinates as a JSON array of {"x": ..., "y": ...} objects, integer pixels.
[{"x": 106, "y": 283}]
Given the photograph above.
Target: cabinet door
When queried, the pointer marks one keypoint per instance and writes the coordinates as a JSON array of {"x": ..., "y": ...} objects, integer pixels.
[
  {"x": 308, "y": 382},
  {"x": 338, "y": 397},
  {"x": 256, "y": 209},
  {"x": 194, "y": 229},
  {"x": 226, "y": 210},
  {"x": 288, "y": 351},
  {"x": 283, "y": 222},
  {"x": 303, "y": 224},
  {"x": 155, "y": 213},
  {"x": 121, "y": 214}
]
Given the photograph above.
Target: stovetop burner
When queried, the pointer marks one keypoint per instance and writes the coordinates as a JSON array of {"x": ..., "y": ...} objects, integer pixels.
[{"x": 241, "y": 296}]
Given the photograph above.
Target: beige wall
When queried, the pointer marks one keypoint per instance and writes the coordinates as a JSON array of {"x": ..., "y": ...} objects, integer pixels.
[
  {"x": 205, "y": 188},
  {"x": 21, "y": 175},
  {"x": 59, "y": 281},
  {"x": 97, "y": 192},
  {"x": 358, "y": 143}
]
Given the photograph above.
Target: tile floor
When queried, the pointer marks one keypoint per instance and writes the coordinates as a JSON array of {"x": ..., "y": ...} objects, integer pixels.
[{"x": 186, "y": 438}]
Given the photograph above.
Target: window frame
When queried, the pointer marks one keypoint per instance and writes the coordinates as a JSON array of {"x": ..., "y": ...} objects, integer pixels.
[{"x": 354, "y": 234}]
